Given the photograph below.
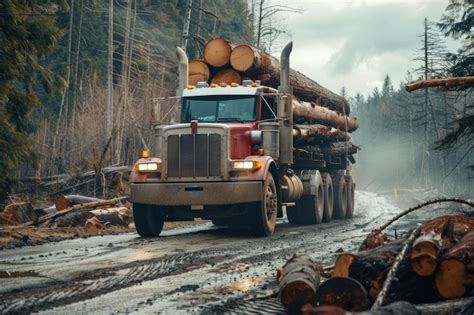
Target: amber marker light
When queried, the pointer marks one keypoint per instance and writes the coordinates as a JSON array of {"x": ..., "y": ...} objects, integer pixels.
[
  {"x": 213, "y": 85},
  {"x": 145, "y": 154},
  {"x": 223, "y": 84},
  {"x": 233, "y": 84},
  {"x": 190, "y": 87}
]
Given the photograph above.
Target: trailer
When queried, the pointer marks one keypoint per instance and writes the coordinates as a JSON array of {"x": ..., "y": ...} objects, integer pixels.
[{"x": 231, "y": 159}]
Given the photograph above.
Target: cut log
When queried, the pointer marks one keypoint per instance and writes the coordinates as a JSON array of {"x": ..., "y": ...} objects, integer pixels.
[
  {"x": 306, "y": 134},
  {"x": 17, "y": 213},
  {"x": 266, "y": 68},
  {"x": 450, "y": 228},
  {"x": 369, "y": 267},
  {"x": 112, "y": 216},
  {"x": 376, "y": 238},
  {"x": 447, "y": 83},
  {"x": 310, "y": 112},
  {"x": 63, "y": 202},
  {"x": 245, "y": 57},
  {"x": 226, "y": 76},
  {"x": 299, "y": 282},
  {"x": 198, "y": 71},
  {"x": 73, "y": 219},
  {"x": 217, "y": 52},
  {"x": 93, "y": 224},
  {"x": 424, "y": 254},
  {"x": 333, "y": 148},
  {"x": 343, "y": 292},
  {"x": 455, "y": 273},
  {"x": 79, "y": 207}
]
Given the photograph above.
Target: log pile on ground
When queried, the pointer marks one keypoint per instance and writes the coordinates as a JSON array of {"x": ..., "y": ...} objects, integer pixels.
[
  {"x": 322, "y": 117},
  {"x": 433, "y": 264}
]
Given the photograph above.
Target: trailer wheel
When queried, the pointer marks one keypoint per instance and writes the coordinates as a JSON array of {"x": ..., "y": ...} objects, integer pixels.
[
  {"x": 310, "y": 208},
  {"x": 328, "y": 197},
  {"x": 340, "y": 196},
  {"x": 148, "y": 220},
  {"x": 264, "y": 213},
  {"x": 350, "y": 197}
]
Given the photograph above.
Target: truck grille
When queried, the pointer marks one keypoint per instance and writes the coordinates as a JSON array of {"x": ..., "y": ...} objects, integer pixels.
[{"x": 196, "y": 155}]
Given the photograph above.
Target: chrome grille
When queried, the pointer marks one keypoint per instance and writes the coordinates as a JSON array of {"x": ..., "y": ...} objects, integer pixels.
[{"x": 195, "y": 155}]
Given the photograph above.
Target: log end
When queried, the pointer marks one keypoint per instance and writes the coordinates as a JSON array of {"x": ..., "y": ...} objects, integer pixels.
[
  {"x": 62, "y": 203},
  {"x": 423, "y": 264},
  {"x": 343, "y": 262},
  {"x": 242, "y": 58},
  {"x": 217, "y": 52},
  {"x": 346, "y": 293},
  {"x": 226, "y": 76},
  {"x": 198, "y": 71},
  {"x": 296, "y": 294},
  {"x": 449, "y": 279}
]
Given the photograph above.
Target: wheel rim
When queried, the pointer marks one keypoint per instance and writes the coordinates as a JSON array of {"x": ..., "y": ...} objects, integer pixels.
[{"x": 270, "y": 202}]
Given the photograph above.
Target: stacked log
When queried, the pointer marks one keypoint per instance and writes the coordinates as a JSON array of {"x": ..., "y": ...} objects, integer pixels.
[{"x": 322, "y": 116}]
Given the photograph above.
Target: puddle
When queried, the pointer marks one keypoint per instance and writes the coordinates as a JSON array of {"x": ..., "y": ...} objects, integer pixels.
[{"x": 18, "y": 274}]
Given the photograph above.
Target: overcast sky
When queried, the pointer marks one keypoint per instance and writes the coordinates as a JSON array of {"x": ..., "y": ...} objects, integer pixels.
[{"x": 356, "y": 43}]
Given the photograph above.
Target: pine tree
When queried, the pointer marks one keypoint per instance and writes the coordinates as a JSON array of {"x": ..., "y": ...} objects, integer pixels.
[{"x": 28, "y": 33}]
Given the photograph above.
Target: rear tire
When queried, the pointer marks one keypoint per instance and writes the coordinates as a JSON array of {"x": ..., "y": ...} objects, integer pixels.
[
  {"x": 148, "y": 219},
  {"x": 264, "y": 213},
  {"x": 350, "y": 197},
  {"x": 328, "y": 197},
  {"x": 310, "y": 208},
  {"x": 340, "y": 196}
]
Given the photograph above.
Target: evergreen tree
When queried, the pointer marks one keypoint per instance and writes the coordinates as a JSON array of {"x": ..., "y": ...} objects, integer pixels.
[{"x": 28, "y": 33}]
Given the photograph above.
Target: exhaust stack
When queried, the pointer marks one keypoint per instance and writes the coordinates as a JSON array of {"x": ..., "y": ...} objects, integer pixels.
[
  {"x": 285, "y": 111},
  {"x": 182, "y": 71}
]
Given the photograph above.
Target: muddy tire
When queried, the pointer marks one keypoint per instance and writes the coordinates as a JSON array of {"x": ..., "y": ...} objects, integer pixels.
[
  {"x": 264, "y": 214},
  {"x": 340, "y": 196},
  {"x": 328, "y": 197},
  {"x": 350, "y": 197},
  {"x": 149, "y": 220},
  {"x": 310, "y": 208}
]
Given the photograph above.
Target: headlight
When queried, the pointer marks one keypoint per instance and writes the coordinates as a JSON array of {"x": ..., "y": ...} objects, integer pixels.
[
  {"x": 148, "y": 167},
  {"x": 246, "y": 165}
]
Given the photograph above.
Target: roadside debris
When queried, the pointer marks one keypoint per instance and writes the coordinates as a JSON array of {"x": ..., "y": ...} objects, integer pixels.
[{"x": 433, "y": 264}]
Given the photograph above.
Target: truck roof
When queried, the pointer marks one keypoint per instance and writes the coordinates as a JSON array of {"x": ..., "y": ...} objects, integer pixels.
[{"x": 219, "y": 90}]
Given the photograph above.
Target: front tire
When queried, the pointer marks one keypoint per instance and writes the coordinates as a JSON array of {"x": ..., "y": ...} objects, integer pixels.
[
  {"x": 264, "y": 213},
  {"x": 148, "y": 219}
]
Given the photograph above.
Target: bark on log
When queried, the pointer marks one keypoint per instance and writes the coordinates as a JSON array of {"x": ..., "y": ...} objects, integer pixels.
[
  {"x": 333, "y": 148},
  {"x": 447, "y": 83},
  {"x": 450, "y": 228},
  {"x": 305, "y": 134},
  {"x": 217, "y": 52},
  {"x": 455, "y": 273},
  {"x": 343, "y": 292},
  {"x": 112, "y": 216},
  {"x": 63, "y": 202},
  {"x": 369, "y": 267},
  {"x": 424, "y": 254},
  {"x": 375, "y": 238},
  {"x": 267, "y": 69},
  {"x": 198, "y": 71},
  {"x": 312, "y": 113},
  {"x": 73, "y": 219},
  {"x": 227, "y": 76},
  {"x": 299, "y": 282}
]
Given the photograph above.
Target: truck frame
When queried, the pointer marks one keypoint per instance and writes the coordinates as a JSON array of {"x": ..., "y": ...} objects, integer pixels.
[{"x": 231, "y": 160}]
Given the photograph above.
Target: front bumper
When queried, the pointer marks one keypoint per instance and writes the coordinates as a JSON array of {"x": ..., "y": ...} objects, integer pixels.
[{"x": 203, "y": 193}]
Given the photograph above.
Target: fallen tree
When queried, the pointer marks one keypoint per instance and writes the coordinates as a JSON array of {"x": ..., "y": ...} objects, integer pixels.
[{"x": 446, "y": 83}]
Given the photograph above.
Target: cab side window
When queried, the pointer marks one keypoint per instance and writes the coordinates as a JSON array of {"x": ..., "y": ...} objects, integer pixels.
[{"x": 267, "y": 103}]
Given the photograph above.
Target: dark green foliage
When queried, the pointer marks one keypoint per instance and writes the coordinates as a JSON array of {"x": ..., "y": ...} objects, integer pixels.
[{"x": 28, "y": 33}]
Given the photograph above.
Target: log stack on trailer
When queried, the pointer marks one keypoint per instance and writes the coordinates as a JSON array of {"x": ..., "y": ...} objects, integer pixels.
[{"x": 321, "y": 117}]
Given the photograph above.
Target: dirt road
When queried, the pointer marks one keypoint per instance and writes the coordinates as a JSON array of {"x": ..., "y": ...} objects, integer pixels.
[{"x": 199, "y": 269}]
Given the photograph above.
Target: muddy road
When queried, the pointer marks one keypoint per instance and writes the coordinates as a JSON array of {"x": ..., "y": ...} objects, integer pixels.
[{"x": 201, "y": 269}]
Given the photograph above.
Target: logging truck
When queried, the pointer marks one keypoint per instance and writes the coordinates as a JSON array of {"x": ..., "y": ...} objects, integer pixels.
[{"x": 231, "y": 159}]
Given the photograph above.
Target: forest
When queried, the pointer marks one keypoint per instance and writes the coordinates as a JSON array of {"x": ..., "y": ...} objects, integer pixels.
[{"x": 60, "y": 113}]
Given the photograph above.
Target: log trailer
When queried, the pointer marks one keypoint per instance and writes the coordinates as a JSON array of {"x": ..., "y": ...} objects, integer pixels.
[{"x": 231, "y": 159}]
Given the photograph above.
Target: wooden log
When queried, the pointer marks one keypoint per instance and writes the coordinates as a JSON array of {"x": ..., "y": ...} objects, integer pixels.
[
  {"x": 332, "y": 148},
  {"x": 245, "y": 57},
  {"x": 375, "y": 238},
  {"x": 369, "y": 267},
  {"x": 450, "y": 229},
  {"x": 217, "y": 52},
  {"x": 73, "y": 219},
  {"x": 112, "y": 216},
  {"x": 226, "y": 76},
  {"x": 304, "y": 134},
  {"x": 424, "y": 254},
  {"x": 299, "y": 282},
  {"x": 446, "y": 83},
  {"x": 83, "y": 206},
  {"x": 455, "y": 273},
  {"x": 63, "y": 202},
  {"x": 312, "y": 113},
  {"x": 198, "y": 71},
  {"x": 267, "y": 69},
  {"x": 343, "y": 292}
]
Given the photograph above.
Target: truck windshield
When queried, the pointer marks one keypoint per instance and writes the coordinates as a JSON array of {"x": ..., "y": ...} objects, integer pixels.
[{"x": 219, "y": 108}]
